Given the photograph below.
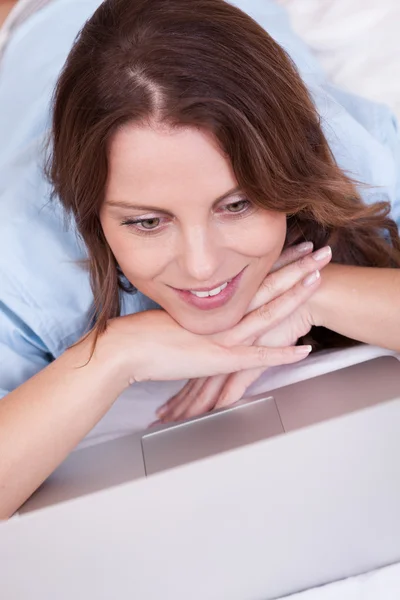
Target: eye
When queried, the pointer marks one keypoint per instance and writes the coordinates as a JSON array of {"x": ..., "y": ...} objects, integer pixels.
[
  {"x": 238, "y": 206},
  {"x": 149, "y": 223},
  {"x": 143, "y": 225}
]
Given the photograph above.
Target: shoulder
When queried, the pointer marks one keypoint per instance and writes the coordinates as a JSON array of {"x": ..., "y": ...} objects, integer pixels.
[
  {"x": 45, "y": 296},
  {"x": 43, "y": 278},
  {"x": 46, "y": 302}
]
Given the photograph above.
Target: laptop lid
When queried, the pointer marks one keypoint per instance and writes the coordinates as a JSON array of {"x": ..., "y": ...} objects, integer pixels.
[{"x": 263, "y": 521}]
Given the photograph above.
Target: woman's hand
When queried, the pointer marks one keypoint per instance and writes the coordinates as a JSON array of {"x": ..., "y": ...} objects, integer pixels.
[
  {"x": 152, "y": 346},
  {"x": 281, "y": 291}
]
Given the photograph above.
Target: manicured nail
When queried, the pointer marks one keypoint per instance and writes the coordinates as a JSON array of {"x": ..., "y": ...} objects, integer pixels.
[
  {"x": 304, "y": 247},
  {"x": 311, "y": 279},
  {"x": 303, "y": 349},
  {"x": 323, "y": 253}
]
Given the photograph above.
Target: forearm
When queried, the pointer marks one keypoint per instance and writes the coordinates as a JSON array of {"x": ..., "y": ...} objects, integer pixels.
[
  {"x": 360, "y": 303},
  {"x": 45, "y": 418},
  {"x": 5, "y": 8}
]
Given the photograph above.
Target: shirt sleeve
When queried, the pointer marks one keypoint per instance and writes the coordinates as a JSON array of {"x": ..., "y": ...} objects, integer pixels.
[{"x": 22, "y": 351}]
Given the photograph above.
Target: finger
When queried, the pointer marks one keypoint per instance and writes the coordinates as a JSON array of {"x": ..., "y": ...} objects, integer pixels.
[
  {"x": 191, "y": 387},
  {"x": 205, "y": 358},
  {"x": 242, "y": 358},
  {"x": 207, "y": 398},
  {"x": 279, "y": 282},
  {"x": 179, "y": 406},
  {"x": 269, "y": 315},
  {"x": 236, "y": 386},
  {"x": 200, "y": 403},
  {"x": 291, "y": 254}
]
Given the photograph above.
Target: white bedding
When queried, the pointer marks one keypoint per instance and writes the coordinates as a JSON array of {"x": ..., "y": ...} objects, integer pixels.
[{"x": 356, "y": 41}]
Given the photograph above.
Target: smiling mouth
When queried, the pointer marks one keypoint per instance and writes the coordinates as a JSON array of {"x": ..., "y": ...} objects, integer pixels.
[
  {"x": 203, "y": 292},
  {"x": 213, "y": 292},
  {"x": 215, "y": 297}
]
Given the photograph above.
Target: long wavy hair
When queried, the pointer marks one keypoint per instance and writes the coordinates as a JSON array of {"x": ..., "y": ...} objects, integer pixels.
[{"x": 205, "y": 64}]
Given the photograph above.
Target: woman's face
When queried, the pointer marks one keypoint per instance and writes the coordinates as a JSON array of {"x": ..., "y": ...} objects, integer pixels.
[{"x": 181, "y": 230}]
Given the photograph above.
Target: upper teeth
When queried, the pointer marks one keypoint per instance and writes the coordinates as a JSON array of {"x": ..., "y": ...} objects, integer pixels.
[{"x": 211, "y": 292}]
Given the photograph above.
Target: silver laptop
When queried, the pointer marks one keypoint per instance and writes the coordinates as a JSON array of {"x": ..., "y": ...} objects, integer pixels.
[{"x": 253, "y": 419}]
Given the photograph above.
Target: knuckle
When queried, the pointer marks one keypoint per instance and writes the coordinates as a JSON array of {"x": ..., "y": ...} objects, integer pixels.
[
  {"x": 230, "y": 390},
  {"x": 303, "y": 263},
  {"x": 268, "y": 285},
  {"x": 263, "y": 352},
  {"x": 192, "y": 411},
  {"x": 288, "y": 256},
  {"x": 228, "y": 397},
  {"x": 224, "y": 398},
  {"x": 171, "y": 416},
  {"x": 175, "y": 400},
  {"x": 294, "y": 294},
  {"x": 265, "y": 312},
  {"x": 167, "y": 418},
  {"x": 203, "y": 401}
]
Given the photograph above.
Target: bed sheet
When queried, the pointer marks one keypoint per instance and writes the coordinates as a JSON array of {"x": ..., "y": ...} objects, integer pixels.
[{"x": 356, "y": 41}]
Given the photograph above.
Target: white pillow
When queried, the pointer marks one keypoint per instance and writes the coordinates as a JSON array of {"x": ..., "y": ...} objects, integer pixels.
[{"x": 356, "y": 41}]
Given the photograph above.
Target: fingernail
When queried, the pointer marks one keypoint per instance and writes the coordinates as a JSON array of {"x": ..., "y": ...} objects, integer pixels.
[
  {"x": 160, "y": 412},
  {"x": 304, "y": 247},
  {"x": 303, "y": 349},
  {"x": 311, "y": 279},
  {"x": 323, "y": 253}
]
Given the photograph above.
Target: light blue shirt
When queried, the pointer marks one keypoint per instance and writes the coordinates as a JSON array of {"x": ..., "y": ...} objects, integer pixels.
[{"x": 45, "y": 296}]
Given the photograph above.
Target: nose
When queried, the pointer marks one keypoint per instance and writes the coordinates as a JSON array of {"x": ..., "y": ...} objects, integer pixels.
[{"x": 200, "y": 255}]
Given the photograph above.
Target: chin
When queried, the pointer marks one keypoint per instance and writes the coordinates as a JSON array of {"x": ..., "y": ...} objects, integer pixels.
[{"x": 207, "y": 324}]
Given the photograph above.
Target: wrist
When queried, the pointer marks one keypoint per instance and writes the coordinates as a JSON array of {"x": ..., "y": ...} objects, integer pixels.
[
  {"x": 107, "y": 357},
  {"x": 319, "y": 301}
]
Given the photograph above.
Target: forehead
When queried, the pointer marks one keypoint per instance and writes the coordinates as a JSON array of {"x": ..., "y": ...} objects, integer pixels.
[{"x": 159, "y": 160}]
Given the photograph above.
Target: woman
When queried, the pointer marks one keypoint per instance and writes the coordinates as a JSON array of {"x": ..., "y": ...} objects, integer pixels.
[{"x": 190, "y": 157}]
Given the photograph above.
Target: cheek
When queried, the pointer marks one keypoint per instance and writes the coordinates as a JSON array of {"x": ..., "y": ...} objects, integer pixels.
[
  {"x": 140, "y": 261},
  {"x": 141, "y": 264},
  {"x": 265, "y": 237}
]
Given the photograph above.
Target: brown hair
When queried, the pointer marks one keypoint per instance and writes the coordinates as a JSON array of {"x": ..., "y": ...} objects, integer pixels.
[{"x": 206, "y": 64}]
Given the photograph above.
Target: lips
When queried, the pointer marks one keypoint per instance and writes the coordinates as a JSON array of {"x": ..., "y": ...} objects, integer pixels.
[
  {"x": 213, "y": 292},
  {"x": 208, "y": 289},
  {"x": 211, "y": 302}
]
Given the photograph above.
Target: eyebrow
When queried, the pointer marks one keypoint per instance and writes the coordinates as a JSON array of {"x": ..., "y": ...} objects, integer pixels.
[{"x": 129, "y": 206}]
